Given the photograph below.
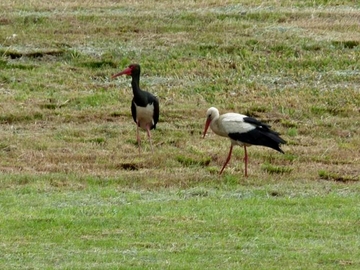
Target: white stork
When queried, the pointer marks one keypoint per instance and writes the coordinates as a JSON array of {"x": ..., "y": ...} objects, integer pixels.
[{"x": 241, "y": 130}]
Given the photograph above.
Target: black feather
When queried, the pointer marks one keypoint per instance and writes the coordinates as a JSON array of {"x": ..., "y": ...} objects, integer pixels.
[{"x": 261, "y": 135}]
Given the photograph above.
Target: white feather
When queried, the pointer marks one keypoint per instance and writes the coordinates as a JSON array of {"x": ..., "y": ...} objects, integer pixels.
[
  {"x": 234, "y": 123},
  {"x": 145, "y": 115},
  {"x": 228, "y": 123}
]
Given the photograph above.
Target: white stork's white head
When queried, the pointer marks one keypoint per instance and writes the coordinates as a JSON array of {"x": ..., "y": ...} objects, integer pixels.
[{"x": 211, "y": 114}]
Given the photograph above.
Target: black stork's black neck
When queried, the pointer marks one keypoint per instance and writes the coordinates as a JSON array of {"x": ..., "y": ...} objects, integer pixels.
[
  {"x": 140, "y": 96},
  {"x": 135, "y": 83}
]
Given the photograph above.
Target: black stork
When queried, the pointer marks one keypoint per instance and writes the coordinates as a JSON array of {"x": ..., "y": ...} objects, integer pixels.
[
  {"x": 241, "y": 130},
  {"x": 144, "y": 105}
]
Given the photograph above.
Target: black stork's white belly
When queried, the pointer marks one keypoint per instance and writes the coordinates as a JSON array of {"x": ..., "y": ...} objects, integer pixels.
[{"x": 145, "y": 116}]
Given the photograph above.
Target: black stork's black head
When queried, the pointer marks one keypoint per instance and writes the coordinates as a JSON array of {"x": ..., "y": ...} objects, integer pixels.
[{"x": 132, "y": 70}]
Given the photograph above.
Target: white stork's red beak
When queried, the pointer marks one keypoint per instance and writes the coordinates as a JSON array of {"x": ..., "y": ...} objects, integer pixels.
[
  {"x": 126, "y": 71},
  {"x": 207, "y": 124}
]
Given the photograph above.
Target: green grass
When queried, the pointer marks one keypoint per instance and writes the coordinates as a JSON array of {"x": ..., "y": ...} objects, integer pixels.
[
  {"x": 89, "y": 226},
  {"x": 75, "y": 193}
]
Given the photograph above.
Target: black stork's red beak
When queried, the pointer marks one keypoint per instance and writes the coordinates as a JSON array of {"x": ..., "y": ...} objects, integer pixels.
[
  {"x": 126, "y": 71},
  {"x": 207, "y": 124}
]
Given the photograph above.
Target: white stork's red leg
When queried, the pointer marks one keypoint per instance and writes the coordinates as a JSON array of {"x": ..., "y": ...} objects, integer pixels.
[
  {"x": 227, "y": 159},
  {"x": 246, "y": 161}
]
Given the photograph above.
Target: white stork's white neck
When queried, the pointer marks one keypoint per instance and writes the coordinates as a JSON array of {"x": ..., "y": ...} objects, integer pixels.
[{"x": 215, "y": 124}]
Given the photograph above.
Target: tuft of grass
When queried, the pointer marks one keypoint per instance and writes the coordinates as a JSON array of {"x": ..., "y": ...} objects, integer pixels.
[
  {"x": 289, "y": 124},
  {"x": 275, "y": 169},
  {"x": 10, "y": 119},
  {"x": 347, "y": 44},
  {"x": 97, "y": 64},
  {"x": 331, "y": 176},
  {"x": 189, "y": 161},
  {"x": 14, "y": 54},
  {"x": 292, "y": 132},
  {"x": 98, "y": 140}
]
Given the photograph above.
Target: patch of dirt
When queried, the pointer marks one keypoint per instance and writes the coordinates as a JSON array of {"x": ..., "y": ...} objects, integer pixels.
[
  {"x": 31, "y": 54},
  {"x": 129, "y": 166}
]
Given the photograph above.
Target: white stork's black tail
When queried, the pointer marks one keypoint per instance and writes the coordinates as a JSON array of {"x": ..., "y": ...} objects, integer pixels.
[{"x": 261, "y": 135}]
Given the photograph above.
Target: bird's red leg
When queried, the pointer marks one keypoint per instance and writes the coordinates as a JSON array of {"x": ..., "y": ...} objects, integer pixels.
[
  {"x": 227, "y": 159},
  {"x": 149, "y": 136},
  {"x": 138, "y": 137},
  {"x": 246, "y": 160}
]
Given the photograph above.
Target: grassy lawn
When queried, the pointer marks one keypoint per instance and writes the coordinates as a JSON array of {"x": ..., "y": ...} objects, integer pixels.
[{"x": 75, "y": 193}]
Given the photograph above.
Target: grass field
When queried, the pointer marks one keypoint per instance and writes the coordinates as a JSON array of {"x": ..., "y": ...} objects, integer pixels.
[{"x": 74, "y": 192}]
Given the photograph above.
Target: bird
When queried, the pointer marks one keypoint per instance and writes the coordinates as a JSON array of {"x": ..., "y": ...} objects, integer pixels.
[
  {"x": 144, "y": 105},
  {"x": 242, "y": 130}
]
